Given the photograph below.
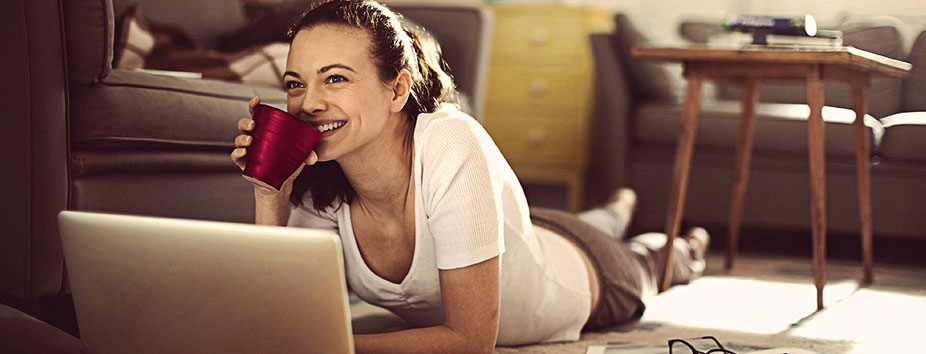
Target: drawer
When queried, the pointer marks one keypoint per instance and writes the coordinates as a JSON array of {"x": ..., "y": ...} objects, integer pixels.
[
  {"x": 522, "y": 90},
  {"x": 538, "y": 37},
  {"x": 527, "y": 139}
]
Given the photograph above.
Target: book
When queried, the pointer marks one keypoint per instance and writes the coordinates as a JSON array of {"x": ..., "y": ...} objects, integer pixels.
[
  {"x": 180, "y": 74},
  {"x": 827, "y": 39},
  {"x": 661, "y": 349},
  {"x": 799, "y": 25}
]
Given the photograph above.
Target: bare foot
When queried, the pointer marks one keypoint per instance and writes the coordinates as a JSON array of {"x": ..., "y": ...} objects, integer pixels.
[
  {"x": 699, "y": 240},
  {"x": 624, "y": 201}
]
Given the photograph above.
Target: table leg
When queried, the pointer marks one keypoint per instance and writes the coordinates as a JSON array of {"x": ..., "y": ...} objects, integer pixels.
[
  {"x": 863, "y": 175},
  {"x": 741, "y": 171},
  {"x": 683, "y": 150},
  {"x": 816, "y": 157},
  {"x": 576, "y": 189}
]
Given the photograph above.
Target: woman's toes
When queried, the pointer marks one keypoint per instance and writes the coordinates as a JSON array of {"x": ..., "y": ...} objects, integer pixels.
[
  {"x": 624, "y": 200},
  {"x": 699, "y": 240}
]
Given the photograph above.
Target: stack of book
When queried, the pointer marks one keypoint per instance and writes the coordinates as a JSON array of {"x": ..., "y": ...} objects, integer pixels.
[{"x": 767, "y": 30}]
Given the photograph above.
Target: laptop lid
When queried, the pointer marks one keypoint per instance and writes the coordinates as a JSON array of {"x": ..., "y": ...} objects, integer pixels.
[{"x": 156, "y": 285}]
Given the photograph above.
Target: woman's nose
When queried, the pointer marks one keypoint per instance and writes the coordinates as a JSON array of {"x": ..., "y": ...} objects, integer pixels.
[{"x": 314, "y": 103}]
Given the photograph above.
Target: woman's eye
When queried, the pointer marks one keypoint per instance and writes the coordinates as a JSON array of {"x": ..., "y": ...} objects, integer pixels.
[
  {"x": 289, "y": 85},
  {"x": 333, "y": 79}
]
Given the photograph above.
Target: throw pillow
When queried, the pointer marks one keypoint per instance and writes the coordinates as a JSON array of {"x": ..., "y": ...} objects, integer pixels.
[
  {"x": 134, "y": 43},
  {"x": 915, "y": 84},
  {"x": 146, "y": 45},
  {"x": 202, "y": 20}
]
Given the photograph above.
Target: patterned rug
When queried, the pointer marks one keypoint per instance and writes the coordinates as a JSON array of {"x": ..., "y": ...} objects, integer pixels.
[{"x": 765, "y": 302}]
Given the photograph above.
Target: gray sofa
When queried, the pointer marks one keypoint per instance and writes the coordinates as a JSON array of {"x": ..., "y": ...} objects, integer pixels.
[
  {"x": 638, "y": 109},
  {"x": 80, "y": 135}
]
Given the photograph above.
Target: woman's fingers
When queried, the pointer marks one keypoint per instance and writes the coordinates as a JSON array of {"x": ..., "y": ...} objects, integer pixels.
[
  {"x": 253, "y": 103},
  {"x": 312, "y": 159},
  {"x": 237, "y": 155},
  {"x": 246, "y": 124},
  {"x": 243, "y": 140}
]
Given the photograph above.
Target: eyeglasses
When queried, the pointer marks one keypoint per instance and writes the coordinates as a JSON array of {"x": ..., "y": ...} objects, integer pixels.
[{"x": 682, "y": 346}]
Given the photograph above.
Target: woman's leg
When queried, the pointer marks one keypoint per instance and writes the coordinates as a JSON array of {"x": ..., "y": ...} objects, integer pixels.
[
  {"x": 688, "y": 258},
  {"x": 627, "y": 271},
  {"x": 614, "y": 217}
]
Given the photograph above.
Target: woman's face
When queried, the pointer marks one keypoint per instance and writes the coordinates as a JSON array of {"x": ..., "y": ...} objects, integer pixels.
[{"x": 332, "y": 82}]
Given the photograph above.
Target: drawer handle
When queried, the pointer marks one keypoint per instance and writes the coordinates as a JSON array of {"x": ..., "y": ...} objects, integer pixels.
[
  {"x": 539, "y": 87},
  {"x": 540, "y": 36},
  {"x": 536, "y": 137}
]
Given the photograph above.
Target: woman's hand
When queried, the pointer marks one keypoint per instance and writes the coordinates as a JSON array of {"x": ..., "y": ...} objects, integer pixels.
[{"x": 239, "y": 155}]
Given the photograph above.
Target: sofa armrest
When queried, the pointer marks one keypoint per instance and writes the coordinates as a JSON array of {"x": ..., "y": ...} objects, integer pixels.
[
  {"x": 610, "y": 123},
  {"x": 137, "y": 110}
]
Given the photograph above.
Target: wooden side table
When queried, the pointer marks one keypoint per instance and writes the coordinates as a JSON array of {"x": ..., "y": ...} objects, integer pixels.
[{"x": 747, "y": 65}]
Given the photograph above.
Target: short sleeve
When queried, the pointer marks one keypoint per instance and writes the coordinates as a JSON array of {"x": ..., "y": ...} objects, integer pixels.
[
  {"x": 461, "y": 187},
  {"x": 304, "y": 215}
]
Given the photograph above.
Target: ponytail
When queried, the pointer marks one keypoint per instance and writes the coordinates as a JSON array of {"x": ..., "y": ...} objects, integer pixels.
[{"x": 434, "y": 84}]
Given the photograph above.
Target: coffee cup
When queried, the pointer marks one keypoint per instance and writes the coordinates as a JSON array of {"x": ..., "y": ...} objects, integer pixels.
[{"x": 281, "y": 142}]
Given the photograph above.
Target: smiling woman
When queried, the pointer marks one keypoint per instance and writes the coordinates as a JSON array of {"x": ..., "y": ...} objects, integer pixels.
[{"x": 425, "y": 204}]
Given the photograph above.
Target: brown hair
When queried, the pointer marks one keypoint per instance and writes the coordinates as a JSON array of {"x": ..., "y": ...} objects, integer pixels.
[{"x": 394, "y": 47}]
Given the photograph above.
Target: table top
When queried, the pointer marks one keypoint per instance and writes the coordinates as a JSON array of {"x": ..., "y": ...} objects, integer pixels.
[{"x": 844, "y": 56}]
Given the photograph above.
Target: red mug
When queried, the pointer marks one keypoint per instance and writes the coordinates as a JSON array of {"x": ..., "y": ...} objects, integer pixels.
[{"x": 280, "y": 143}]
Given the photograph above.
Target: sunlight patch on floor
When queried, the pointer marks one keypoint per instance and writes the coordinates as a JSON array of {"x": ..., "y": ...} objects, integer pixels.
[
  {"x": 755, "y": 306},
  {"x": 882, "y": 322}
]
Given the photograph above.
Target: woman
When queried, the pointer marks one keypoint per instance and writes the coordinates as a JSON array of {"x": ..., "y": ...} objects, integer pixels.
[{"x": 434, "y": 224}]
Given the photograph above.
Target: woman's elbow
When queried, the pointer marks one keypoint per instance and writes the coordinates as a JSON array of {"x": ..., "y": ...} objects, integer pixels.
[
  {"x": 482, "y": 345},
  {"x": 482, "y": 348}
]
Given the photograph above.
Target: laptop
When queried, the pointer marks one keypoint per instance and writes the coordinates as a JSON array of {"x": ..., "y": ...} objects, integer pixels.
[{"x": 156, "y": 285}]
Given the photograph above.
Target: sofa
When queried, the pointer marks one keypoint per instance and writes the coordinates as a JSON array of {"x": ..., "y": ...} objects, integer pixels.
[
  {"x": 81, "y": 135},
  {"x": 638, "y": 109}
]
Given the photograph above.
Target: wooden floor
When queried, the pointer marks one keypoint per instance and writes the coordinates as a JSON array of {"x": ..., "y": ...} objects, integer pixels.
[{"x": 769, "y": 301}]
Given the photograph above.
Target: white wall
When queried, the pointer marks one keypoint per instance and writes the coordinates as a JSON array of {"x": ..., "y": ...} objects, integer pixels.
[
  {"x": 660, "y": 18},
  {"x": 663, "y": 16}
]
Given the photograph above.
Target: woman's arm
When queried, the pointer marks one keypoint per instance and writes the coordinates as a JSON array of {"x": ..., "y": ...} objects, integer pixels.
[
  {"x": 471, "y": 304},
  {"x": 271, "y": 207}
]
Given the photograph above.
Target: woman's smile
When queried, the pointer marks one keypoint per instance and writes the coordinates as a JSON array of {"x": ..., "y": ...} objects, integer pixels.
[{"x": 330, "y": 128}]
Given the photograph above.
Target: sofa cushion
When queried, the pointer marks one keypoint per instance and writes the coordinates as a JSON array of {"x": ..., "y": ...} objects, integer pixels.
[
  {"x": 89, "y": 33},
  {"x": 133, "y": 109},
  {"x": 649, "y": 80},
  {"x": 904, "y": 137},
  {"x": 779, "y": 127},
  {"x": 914, "y": 85}
]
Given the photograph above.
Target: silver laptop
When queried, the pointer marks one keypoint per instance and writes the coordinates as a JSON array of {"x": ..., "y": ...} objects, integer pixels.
[{"x": 155, "y": 285}]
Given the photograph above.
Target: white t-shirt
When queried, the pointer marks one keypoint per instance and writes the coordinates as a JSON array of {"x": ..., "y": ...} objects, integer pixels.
[{"x": 470, "y": 207}]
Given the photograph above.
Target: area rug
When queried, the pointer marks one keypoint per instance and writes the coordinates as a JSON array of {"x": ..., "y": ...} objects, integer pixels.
[{"x": 765, "y": 302}]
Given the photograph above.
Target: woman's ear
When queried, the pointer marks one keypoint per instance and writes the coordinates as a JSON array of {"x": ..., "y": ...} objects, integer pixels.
[{"x": 401, "y": 89}]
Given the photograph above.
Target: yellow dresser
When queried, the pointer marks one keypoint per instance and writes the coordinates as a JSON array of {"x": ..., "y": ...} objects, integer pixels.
[{"x": 539, "y": 91}]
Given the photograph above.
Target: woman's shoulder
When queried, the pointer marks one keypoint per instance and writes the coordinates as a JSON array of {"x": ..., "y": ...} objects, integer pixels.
[{"x": 450, "y": 126}]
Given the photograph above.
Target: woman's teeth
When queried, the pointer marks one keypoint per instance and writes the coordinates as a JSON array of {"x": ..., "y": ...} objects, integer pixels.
[{"x": 331, "y": 126}]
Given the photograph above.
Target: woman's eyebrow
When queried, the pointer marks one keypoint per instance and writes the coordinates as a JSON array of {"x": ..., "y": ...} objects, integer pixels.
[
  {"x": 332, "y": 66},
  {"x": 290, "y": 73}
]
